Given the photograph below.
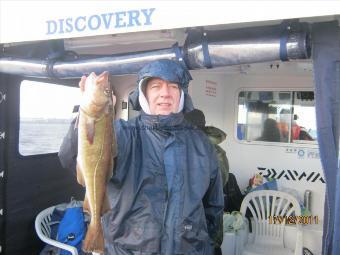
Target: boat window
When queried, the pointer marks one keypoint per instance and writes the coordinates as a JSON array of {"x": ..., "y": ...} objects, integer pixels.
[
  {"x": 276, "y": 116},
  {"x": 46, "y": 111}
]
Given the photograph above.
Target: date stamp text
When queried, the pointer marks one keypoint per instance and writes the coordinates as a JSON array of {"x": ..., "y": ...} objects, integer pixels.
[{"x": 293, "y": 220}]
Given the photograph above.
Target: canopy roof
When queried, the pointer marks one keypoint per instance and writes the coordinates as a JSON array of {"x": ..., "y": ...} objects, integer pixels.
[{"x": 22, "y": 21}]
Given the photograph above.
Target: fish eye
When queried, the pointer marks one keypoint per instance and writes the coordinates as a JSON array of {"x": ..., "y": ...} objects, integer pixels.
[{"x": 107, "y": 92}]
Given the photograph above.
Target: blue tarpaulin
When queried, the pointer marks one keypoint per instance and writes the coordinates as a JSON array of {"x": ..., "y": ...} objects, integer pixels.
[{"x": 326, "y": 63}]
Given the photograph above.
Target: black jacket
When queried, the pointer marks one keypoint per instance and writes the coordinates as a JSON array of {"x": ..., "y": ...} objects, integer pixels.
[{"x": 166, "y": 193}]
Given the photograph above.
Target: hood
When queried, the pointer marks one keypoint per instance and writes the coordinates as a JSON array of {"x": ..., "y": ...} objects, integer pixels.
[
  {"x": 215, "y": 135},
  {"x": 167, "y": 70}
]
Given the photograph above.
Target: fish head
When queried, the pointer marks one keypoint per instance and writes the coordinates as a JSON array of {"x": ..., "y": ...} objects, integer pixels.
[{"x": 97, "y": 90}]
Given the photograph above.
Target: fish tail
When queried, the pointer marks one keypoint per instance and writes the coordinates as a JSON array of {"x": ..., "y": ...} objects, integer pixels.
[{"x": 94, "y": 239}]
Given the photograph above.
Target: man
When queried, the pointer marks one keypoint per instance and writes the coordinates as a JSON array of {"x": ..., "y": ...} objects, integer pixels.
[{"x": 166, "y": 194}]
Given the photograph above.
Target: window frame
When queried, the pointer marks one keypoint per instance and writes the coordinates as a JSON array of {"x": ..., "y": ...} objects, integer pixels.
[{"x": 305, "y": 143}]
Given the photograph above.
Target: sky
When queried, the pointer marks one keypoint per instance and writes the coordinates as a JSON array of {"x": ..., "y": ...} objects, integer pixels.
[{"x": 43, "y": 100}]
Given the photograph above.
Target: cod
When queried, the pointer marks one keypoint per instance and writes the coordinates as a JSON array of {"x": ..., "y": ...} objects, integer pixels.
[{"x": 96, "y": 150}]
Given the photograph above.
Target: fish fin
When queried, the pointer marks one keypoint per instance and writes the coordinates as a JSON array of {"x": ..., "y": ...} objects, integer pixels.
[
  {"x": 86, "y": 205},
  {"x": 103, "y": 76},
  {"x": 106, "y": 205},
  {"x": 90, "y": 129},
  {"x": 80, "y": 177},
  {"x": 94, "y": 239}
]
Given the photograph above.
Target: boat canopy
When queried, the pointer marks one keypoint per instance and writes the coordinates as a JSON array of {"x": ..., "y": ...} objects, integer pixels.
[{"x": 58, "y": 20}]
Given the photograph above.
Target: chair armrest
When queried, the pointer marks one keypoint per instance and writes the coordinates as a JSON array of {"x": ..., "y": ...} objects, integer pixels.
[
  {"x": 242, "y": 237},
  {"x": 38, "y": 228},
  {"x": 299, "y": 242}
]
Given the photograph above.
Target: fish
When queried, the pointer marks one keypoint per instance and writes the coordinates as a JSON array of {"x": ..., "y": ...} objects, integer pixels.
[{"x": 96, "y": 151}]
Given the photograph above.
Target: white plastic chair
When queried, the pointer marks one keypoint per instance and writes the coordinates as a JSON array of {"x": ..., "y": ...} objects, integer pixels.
[
  {"x": 43, "y": 230},
  {"x": 264, "y": 205}
]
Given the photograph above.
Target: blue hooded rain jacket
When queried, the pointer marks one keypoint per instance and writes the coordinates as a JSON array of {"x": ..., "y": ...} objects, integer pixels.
[{"x": 166, "y": 194}]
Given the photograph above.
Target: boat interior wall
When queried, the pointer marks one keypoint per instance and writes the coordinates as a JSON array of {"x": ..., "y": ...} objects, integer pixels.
[
  {"x": 123, "y": 86},
  {"x": 208, "y": 93},
  {"x": 31, "y": 183},
  {"x": 40, "y": 49}
]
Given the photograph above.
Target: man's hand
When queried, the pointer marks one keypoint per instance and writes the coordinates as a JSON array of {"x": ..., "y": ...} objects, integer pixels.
[{"x": 82, "y": 84}]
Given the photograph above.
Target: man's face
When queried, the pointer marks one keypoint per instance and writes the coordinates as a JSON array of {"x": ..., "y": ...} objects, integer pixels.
[{"x": 163, "y": 97}]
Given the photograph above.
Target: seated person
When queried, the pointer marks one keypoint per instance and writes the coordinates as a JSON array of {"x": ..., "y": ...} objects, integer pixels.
[
  {"x": 283, "y": 125},
  {"x": 304, "y": 135},
  {"x": 270, "y": 132},
  {"x": 299, "y": 132}
]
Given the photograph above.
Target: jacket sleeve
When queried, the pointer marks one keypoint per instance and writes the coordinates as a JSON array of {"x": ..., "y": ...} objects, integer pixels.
[
  {"x": 69, "y": 148},
  {"x": 214, "y": 203}
]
